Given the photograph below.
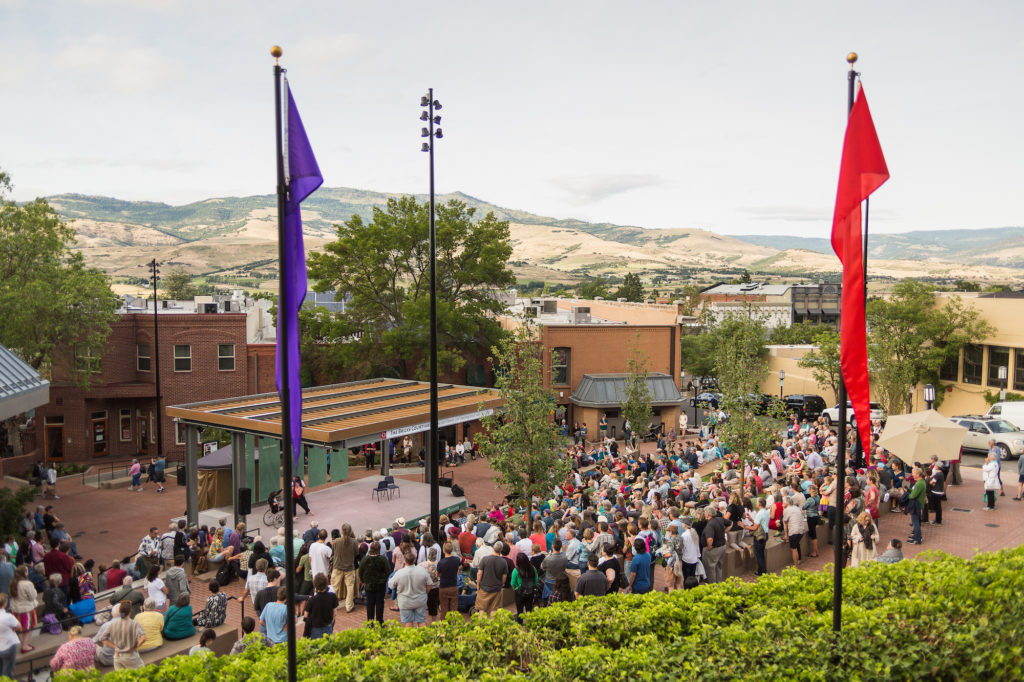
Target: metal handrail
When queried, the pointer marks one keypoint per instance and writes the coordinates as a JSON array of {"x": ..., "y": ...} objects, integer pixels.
[{"x": 109, "y": 471}]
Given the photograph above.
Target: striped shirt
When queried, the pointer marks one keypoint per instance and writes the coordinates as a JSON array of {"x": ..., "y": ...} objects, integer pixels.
[{"x": 124, "y": 634}]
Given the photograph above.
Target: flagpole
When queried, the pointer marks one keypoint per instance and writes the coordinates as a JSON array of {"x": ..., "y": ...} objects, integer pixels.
[
  {"x": 286, "y": 440},
  {"x": 838, "y": 535}
]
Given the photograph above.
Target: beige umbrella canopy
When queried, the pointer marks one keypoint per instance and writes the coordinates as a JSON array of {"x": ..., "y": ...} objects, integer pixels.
[{"x": 917, "y": 436}]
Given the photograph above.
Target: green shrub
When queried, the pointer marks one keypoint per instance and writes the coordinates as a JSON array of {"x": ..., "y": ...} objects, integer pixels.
[{"x": 941, "y": 618}]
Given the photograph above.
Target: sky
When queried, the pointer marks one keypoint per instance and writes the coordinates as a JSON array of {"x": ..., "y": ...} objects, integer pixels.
[{"x": 663, "y": 114}]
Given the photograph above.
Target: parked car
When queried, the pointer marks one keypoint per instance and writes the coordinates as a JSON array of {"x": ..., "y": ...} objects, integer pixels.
[
  {"x": 706, "y": 400},
  {"x": 1011, "y": 411},
  {"x": 832, "y": 414},
  {"x": 805, "y": 405},
  {"x": 981, "y": 429}
]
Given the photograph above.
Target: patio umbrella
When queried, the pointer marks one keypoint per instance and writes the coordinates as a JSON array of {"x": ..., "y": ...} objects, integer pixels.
[{"x": 917, "y": 436}]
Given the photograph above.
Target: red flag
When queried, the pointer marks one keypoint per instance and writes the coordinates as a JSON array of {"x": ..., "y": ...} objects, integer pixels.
[{"x": 862, "y": 171}]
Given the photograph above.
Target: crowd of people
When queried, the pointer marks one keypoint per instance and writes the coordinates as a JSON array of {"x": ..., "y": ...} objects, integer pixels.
[{"x": 620, "y": 516}]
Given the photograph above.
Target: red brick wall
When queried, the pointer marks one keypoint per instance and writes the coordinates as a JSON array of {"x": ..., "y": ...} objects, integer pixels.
[
  {"x": 121, "y": 386},
  {"x": 261, "y": 372}
]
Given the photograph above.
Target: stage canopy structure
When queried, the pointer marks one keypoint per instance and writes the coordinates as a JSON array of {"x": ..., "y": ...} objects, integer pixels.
[{"x": 335, "y": 418}]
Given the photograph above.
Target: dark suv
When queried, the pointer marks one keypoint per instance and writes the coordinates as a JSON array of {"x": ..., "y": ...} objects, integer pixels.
[{"x": 805, "y": 405}]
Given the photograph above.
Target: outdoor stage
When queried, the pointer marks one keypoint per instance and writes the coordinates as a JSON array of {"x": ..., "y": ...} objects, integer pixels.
[{"x": 350, "y": 503}]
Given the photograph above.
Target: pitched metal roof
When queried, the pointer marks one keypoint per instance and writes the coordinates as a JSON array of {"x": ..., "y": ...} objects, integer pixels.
[
  {"x": 21, "y": 387},
  {"x": 609, "y": 390}
]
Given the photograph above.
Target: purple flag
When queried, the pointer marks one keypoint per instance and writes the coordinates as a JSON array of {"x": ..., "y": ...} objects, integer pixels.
[{"x": 303, "y": 177}]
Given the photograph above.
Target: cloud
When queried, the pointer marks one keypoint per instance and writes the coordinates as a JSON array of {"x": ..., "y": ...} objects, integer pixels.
[
  {"x": 335, "y": 57},
  {"x": 128, "y": 69},
  {"x": 798, "y": 214},
  {"x": 586, "y": 189}
]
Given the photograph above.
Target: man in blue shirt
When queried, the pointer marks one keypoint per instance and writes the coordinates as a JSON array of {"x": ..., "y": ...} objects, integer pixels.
[
  {"x": 274, "y": 618},
  {"x": 640, "y": 569}
]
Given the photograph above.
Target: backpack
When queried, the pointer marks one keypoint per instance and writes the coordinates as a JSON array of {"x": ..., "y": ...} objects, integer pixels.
[
  {"x": 224, "y": 575},
  {"x": 527, "y": 588},
  {"x": 51, "y": 625}
]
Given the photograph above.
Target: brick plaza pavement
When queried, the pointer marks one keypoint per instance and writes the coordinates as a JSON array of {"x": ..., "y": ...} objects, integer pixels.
[{"x": 108, "y": 523}]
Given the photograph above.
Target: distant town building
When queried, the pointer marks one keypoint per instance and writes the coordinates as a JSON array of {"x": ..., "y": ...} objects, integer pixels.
[{"x": 780, "y": 305}]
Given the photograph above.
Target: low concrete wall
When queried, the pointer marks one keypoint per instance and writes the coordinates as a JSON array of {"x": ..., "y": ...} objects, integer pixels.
[{"x": 15, "y": 466}]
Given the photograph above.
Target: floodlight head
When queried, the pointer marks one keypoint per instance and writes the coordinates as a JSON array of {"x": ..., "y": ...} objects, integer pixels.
[
  {"x": 438, "y": 134},
  {"x": 424, "y": 101},
  {"x": 425, "y": 147},
  {"x": 437, "y": 105},
  {"x": 424, "y": 132}
]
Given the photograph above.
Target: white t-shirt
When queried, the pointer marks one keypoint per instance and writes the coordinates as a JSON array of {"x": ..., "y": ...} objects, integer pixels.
[
  {"x": 154, "y": 588},
  {"x": 320, "y": 558},
  {"x": 8, "y": 637}
]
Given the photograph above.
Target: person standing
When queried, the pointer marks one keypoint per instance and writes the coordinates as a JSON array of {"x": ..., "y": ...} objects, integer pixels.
[
  {"x": 714, "y": 546},
  {"x": 320, "y": 555},
  {"x": 795, "y": 525},
  {"x": 411, "y": 584},
  {"x": 641, "y": 580},
  {"x": 490, "y": 580},
  {"x": 915, "y": 500},
  {"x": 760, "y": 535},
  {"x": 1020, "y": 478},
  {"x": 990, "y": 474},
  {"x": 863, "y": 540},
  {"x": 593, "y": 583},
  {"x": 936, "y": 492},
  {"x": 9, "y": 630},
  {"x": 299, "y": 495},
  {"x": 320, "y": 610},
  {"x": 50, "y": 477},
  {"x": 136, "y": 473},
  {"x": 602, "y": 426},
  {"x": 448, "y": 573},
  {"x": 125, "y": 636},
  {"x": 274, "y": 617},
  {"x": 373, "y": 574},
  {"x": 343, "y": 566}
]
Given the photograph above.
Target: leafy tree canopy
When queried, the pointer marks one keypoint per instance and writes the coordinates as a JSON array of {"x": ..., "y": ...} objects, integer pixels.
[
  {"x": 799, "y": 334},
  {"x": 637, "y": 406},
  {"x": 632, "y": 288},
  {"x": 592, "y": 287},
  {"x": 49, "y": 299},
  {"x": 911, "y": 336},
  {"x": 384, "y": 267},
  {"x": 178, "y": 285},
  {"x": 823, "y": 361},
  {"x": 523, "y": 442}
]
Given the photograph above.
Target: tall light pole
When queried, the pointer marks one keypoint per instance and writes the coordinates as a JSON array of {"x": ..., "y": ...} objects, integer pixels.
[
  {"x": 929, "y": 396},
  {"x": 154, "y": 276},
  {"x": 782, "y": 381},
  {"x": 1003, "y": 375},
  {"x": 430, "y": 105}
]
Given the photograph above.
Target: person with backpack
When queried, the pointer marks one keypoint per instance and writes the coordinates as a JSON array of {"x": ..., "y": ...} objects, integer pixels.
[{"x": 525, "y": 581}]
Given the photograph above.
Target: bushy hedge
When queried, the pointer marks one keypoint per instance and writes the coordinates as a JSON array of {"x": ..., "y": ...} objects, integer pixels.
[{"x": 943, "y": 618}]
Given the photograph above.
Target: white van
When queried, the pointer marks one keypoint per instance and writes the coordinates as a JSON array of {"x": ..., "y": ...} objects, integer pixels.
[{"x": 1012, "y": 411}]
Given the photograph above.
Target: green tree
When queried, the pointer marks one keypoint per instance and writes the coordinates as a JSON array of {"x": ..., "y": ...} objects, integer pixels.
[
  {"x": 632, "y": 288},
  {"x": 12, "y": 508},
  {"x": 178, "y": 285},
  {"x": 799, "y": 334},
  {"x": 592, "y": 287},
  {"x": 384, "y": 266},
  {"x": 637, "y": 405},
  {"x": 522, "y": 443},
  {"x": 911, "y": 336},
  {"x": 823, "y": 361},
  {"x": 50, "y": 302}
]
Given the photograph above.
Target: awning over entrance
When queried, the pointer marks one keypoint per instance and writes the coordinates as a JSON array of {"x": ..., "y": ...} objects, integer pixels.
[
  {"x": 609, "y": 390},
  {"x": 346, "y": 415},
  {"x": 21, "y": 387}
]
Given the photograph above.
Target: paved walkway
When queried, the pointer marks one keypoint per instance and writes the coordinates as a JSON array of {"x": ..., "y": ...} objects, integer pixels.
[{"x": 108, "y": 524}]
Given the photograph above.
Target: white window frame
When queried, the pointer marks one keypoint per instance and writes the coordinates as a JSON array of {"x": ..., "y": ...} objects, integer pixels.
[
  {"x": 221, "y": 358},
  {"x": 139, "y": 357},
  {"x": 182, "y": 357}
]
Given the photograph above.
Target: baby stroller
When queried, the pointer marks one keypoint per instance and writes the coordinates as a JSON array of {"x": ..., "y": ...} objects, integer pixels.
[{"x": 274, "y": 516}]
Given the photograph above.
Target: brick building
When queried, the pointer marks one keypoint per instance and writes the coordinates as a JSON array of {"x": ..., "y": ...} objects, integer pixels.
[
  {"x": 203, "y": 356},
  {"x": 588, "y": 343}
]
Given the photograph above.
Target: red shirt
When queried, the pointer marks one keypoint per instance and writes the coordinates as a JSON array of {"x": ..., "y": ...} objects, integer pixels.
[
  {"x": 56, "y": 561},
  {"x": 115, "y": 577},
  {"x": 467, "y": 543}
]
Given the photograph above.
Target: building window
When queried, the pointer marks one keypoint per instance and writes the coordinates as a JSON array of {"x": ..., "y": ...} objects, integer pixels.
[
  {"x": 560, "y": 367},
  {"x": 182, "y": 358},
  {"x": 226, "y": 357},
  {"x": 86, "y": 360},
  {"x": 998, "y": 356},
  {"x": 1018, "y": 369},
  {"x": 948, "y": 370},
  {"x": 142, "y": 353},
  {"x": 973, "y": 355},
  {"x": 125, "y": 425}
]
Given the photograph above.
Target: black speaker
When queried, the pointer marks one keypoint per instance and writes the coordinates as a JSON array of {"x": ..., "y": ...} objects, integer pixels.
[
  {"x": 245, "y": 501},
  {"x": 457, "y": 491},
  {"x": 181, "y": 475},
  {"x": 444, "y": 481}
]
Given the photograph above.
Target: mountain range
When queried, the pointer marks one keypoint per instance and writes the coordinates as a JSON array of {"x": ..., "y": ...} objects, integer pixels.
[{"x": 236, "y": 236}]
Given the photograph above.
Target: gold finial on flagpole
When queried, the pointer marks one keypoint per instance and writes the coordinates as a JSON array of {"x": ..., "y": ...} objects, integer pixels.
[
  {"x": 850, "y": 58},
  {"x": 276, "y": 53}
]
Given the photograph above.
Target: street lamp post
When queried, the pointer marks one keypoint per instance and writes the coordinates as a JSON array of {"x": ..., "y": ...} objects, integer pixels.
[
  {"x": 782, "y": 380},
  {"x": 1003, "y": 375},
  {"x": 929, "y": 396},
  {"x": 154, "y": 276},
  {"x": 430, "y": 105}
]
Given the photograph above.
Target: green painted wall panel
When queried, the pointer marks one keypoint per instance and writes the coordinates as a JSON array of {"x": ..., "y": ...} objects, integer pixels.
[
  {"x": 339, "y": 465},
  {"x": 317, "y": 466},
  {"x": 270, "y": 467}
]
